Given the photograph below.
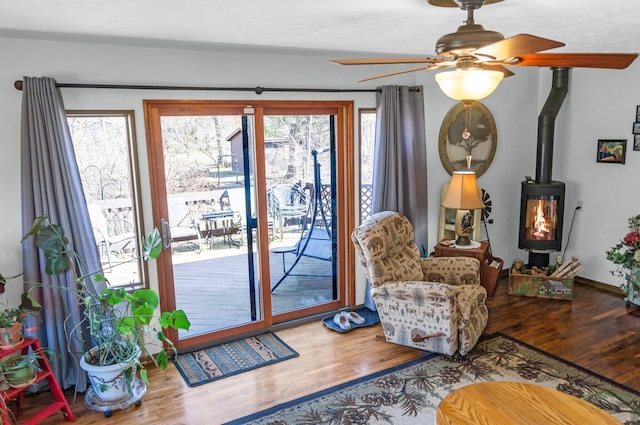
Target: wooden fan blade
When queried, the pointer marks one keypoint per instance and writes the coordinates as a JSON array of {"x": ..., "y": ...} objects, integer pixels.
[
  {"x": 517, "y": 45},
  {"x": 404, "y": 71},
  {"x": 583, "y": 60},
  {"x": 500, "y": 68},
  {"x": 385, "y": 61}
]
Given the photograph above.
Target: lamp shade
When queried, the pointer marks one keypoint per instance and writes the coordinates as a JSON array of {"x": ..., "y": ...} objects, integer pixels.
[
  {"x": 469, "y": 84},
  {"x": 463, "y": 192}
]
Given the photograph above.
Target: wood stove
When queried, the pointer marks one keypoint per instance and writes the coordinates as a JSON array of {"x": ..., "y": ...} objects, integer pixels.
[
  {"x": 542, "y": 199},
  {"x": 541, "y": 213}
]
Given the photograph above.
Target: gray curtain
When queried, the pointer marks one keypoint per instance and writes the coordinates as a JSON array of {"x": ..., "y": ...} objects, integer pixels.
[
  {"x": 400, "y": 159},
  {"x": 51, "y": 186}
]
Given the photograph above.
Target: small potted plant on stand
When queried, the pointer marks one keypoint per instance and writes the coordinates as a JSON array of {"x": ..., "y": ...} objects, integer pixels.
[
  {"x": 19, "y": 370},
  {"x": 11, "y": 331},
  {"x": 122, "y": 324},
  {"x": 10, "y": 327},
  {"x": 626, "y": 255},
  {"x": 16, "y": 370}
]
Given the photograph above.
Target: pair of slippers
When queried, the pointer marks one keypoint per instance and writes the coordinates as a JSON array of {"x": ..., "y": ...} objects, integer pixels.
[{"x": 344, "y": 319}]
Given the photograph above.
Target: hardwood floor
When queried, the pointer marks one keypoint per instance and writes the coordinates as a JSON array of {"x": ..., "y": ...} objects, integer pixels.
[{"x": 595, "y": 331}]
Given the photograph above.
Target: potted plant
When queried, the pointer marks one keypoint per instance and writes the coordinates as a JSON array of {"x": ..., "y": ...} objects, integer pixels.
[
  {"x": 20, "y": 370},
  {"x": 123, "y": 325},
  {"x": 626, "y": 254},
  {"x": 10, "y": 327},
  {"x": 11, "y": 332}
]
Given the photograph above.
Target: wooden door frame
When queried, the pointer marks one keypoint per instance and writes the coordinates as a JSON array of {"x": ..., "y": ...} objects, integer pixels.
[{"x": 344, "y": 112}]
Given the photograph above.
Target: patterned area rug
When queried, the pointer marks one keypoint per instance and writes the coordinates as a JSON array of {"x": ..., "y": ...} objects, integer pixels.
[
  {"x": 210, "y": 364},
  {"x": 410, "y": 393}
]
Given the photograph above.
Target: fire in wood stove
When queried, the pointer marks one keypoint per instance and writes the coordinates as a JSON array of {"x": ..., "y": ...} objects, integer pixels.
[
  {"x": 541, "y": 210},
  {"x": 541, "y": 219}
]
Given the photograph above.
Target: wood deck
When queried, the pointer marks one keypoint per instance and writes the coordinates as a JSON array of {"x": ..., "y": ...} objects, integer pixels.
[{"x": 212, "y": 286}]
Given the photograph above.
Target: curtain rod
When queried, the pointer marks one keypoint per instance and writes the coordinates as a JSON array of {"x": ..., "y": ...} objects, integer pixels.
[{"x": 258, "y": 90}]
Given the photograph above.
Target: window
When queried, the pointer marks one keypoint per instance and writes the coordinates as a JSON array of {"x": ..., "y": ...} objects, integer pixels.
[
  {"x": 367, "y": 141},
  {"x": 105, "y": 149}
]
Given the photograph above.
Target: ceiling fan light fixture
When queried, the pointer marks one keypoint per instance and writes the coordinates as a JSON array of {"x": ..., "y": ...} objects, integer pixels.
[{"x": 469, "y": 84}]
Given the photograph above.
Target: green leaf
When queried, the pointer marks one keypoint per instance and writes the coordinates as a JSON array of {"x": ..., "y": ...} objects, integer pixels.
[
  {"x": 50, "y": 238},
  {"x": 109, "y": 296},
  {"x": 56, "y": 262},
  {"x": 147, "y": 297},
  {"x": 162, "y": 359},
  {"x": 176, "y": 319},
  {"x": 38, "y": 224},
  {"x": 151, "y": 245},
  {"x": 126, "y": 325},
  {"x": 143, "y": 315},
  {"x": 128, "y": 378},
  {"x": 29, "y": 303},
  {"x": 144, "y": 376},
  {"x": 160, "y": 336}
]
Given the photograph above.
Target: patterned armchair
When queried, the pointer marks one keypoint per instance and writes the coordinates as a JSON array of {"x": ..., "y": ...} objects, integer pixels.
[{"x": 435, "y": 304}]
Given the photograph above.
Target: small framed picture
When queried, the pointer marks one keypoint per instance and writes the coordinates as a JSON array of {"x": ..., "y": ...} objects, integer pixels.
[
  {"x": 636, "y": 142},
  {"x": 638, "y": 113},
  {"x": 612, "y": 150},
  {"x": 636, "y": 127}
]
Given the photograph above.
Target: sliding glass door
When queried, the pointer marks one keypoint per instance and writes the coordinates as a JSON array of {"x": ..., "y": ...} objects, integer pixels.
[
  {"x": 245, "y": 198},
  {"x": 300, "y": 175}
]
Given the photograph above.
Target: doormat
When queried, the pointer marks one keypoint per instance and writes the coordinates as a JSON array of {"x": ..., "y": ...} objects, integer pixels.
[
  {"x": 370, "y": 318},
  {"x": 232, "y": 358}
]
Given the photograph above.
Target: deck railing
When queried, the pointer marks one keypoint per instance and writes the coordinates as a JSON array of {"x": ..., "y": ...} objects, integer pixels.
[{"x": 118, "y": 211}]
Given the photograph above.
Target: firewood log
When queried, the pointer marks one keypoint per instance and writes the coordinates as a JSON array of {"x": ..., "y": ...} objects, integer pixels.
[
  {"x": 564, "y": 266},
  {"x": 566, "y": 272},
  {"x": 574, "y": 272}
]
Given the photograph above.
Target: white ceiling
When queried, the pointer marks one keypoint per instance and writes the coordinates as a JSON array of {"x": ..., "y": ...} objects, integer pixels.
[{"x": 381, "y": 27}]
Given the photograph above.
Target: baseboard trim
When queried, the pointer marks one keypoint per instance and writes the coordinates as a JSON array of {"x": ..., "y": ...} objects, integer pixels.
[{"x": 596, "y": 284}]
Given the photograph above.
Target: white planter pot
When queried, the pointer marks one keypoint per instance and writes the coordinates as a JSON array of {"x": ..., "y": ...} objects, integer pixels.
[{"x": 108, "y": 382}]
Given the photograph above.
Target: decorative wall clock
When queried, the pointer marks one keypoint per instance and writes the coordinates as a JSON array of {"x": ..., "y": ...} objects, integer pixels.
[{"x": 468, "y": 136}]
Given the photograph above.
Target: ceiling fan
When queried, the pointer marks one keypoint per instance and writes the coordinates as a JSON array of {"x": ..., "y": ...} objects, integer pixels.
[{"x": 472, "y": 47}]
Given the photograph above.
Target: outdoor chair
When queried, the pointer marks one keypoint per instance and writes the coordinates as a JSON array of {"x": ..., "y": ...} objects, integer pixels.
[
  {"x": 183, "y": 226},
  {"x": 435, "y": 304},
  {"x": 108, "y": 241},
  {"x": 288, "y": 201}
]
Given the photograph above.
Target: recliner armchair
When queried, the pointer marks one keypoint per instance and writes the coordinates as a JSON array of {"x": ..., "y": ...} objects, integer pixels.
[{"x": 435, "y": 304}]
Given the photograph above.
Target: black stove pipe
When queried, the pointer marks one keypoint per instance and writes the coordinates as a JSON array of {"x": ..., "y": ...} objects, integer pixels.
[{"x": 546, "y": 124}]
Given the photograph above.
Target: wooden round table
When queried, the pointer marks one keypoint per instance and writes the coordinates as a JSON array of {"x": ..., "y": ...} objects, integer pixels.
[{"x": 510, "y": 403}]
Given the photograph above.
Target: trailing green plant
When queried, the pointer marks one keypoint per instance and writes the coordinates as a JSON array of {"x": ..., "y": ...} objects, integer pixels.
[
  {"x": 120, "y": 322},
  {"x": 626, "y": 255}
]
